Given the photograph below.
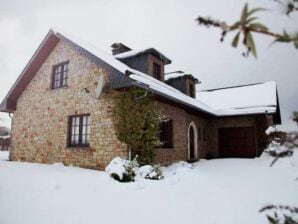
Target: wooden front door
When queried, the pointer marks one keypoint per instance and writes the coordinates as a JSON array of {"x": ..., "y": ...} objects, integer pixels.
[
  {"x": 191, "y": 143},
  {"x": 237, "y": 142}
]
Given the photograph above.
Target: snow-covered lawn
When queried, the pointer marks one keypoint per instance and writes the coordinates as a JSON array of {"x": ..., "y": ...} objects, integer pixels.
[{"x": 215, "y": 191}]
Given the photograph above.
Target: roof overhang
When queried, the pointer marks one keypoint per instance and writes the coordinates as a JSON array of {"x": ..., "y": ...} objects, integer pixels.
[{"x": 36, "y": 61}]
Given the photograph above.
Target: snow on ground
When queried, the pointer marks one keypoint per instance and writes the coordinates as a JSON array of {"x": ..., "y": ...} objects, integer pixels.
[
  {"x": 214, "y": 191},
  {"x": 4, "y": 155}
]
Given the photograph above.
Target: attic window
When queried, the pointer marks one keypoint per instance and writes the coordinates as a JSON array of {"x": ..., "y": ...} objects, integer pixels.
[
  {"x": 166, "y": 134},
  {"x": 156, "y": 71},
  {"x": 59, "y": 76}
]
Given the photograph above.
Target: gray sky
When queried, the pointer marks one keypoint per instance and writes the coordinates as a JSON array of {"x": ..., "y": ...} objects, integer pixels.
[{"x": 168, "y": 25}]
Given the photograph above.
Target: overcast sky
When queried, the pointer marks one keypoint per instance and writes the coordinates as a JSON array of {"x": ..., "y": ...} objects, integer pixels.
[{"x": 167, "y": 25}]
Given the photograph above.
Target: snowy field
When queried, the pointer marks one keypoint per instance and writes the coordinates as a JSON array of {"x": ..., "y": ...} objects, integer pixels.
[{"x": 215, "y": 191}]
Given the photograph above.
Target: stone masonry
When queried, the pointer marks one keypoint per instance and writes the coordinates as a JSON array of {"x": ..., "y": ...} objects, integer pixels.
[{"x": 40, "y": 122}]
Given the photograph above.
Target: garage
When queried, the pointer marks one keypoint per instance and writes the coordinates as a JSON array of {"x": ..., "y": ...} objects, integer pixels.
[{"x": 237, "y": 142}]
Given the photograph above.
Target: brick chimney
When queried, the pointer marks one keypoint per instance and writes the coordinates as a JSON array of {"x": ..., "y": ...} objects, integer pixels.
[{"x": 118, "y": 48}]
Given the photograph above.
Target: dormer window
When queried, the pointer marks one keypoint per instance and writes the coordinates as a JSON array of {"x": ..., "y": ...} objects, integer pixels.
[
  {"x": 156, "y": 71},
  {"x": 59, "y": 76}
]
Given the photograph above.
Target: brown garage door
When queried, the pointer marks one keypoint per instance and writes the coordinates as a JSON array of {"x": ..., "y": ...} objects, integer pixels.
[{"x": 237, "y": 142}]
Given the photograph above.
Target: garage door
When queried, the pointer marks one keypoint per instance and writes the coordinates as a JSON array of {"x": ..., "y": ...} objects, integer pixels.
[{"x": 237, "y": 142}]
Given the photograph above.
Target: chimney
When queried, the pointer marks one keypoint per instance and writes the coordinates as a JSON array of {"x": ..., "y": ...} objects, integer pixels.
[{"x": 118, "y": 48}]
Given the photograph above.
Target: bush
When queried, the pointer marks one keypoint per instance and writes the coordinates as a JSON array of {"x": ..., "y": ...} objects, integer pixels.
[
  {"x": 122, "y": 170},
  {"x": 155, "y": 174},
  {"x": 279, "y": 214},
  {"x": 151, "y": 172}
]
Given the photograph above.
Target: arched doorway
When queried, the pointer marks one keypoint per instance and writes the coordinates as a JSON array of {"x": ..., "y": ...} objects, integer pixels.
[{"x": 192, "y": 142}]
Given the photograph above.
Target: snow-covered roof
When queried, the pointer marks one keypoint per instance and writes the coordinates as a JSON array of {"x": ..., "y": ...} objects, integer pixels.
[
  {"x": 253, "y": 99},
  {"x": 167, "y": 90},
  {"x": 249, "y": 99},
  {"x": 108, "y": 58},
  {"x": 173, "y": 75},
  {"x": 136, "y": 52}
]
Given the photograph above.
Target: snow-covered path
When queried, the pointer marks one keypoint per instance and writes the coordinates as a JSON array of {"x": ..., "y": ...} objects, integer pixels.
[{"x": 216, "y": 191}]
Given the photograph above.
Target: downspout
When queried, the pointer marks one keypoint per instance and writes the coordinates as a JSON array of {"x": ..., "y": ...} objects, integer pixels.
[
  {"x": 11, "y": 117},
  {"x": 129, "y": 153}
]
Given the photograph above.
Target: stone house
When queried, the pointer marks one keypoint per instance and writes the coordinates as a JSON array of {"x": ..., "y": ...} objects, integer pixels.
[{"x": 62, "y": 107}]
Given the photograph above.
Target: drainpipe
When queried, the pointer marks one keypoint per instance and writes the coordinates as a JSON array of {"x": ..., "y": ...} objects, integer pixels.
[
  {"x": 129, "y": 153},
  {"x": 11, "y": 117}
]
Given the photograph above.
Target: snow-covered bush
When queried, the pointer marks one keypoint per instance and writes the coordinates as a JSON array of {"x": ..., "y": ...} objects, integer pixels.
[
  {"x": 122, "y": 170},
  {"x": 143, "y": 171},
  {"x": 151, "y": 172},
  {"x": 155, "y": 174},
  {"x": 125, "y": 171},
  {"x": 281, "y": 144},
  {"x": 279, "y": 214}
]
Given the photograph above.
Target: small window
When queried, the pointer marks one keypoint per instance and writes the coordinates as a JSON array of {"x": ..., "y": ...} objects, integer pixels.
[
  {"x": 156, "y": 71},
  {"x": 192, "y": 90},
  {"x": 79, "y": 130},
  {"x": 166, "y": 134},
  {"x": 200, "y": 134},
  {"x": 59, "y": 78}
]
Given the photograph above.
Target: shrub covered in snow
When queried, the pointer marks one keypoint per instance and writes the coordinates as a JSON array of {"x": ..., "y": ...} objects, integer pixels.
[
  {"x": 155, "y": 174},
  {"x": 125, "y": 171},
  {"x": 279, "y": 214},
  {"x": 122, "y": 170},
  {"x": 151, "y": 172}
]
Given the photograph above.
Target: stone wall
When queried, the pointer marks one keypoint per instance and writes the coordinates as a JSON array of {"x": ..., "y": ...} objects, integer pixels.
[{"x": 40, "y": 122}]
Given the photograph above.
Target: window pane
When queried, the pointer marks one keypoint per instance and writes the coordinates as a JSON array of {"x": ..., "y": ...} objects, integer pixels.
[
  {"x": 77, "y": 120},
  {"x": 76, "y": 139},
  {"x": 84, "y": 139},
  {"x": 64, "y": 74}
]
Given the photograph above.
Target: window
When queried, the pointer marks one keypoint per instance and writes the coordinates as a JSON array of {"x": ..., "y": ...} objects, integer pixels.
[
  {"x": 166, "y": 134},
  {"x": 156, "y": 71},
  {"x": 204, "y": 134},
  {"x": 59, "y": 78},
  {"x": 192, "y": 90},
  {"x": 79, "y": 130},
  {"x": 200, "y": 136}
]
